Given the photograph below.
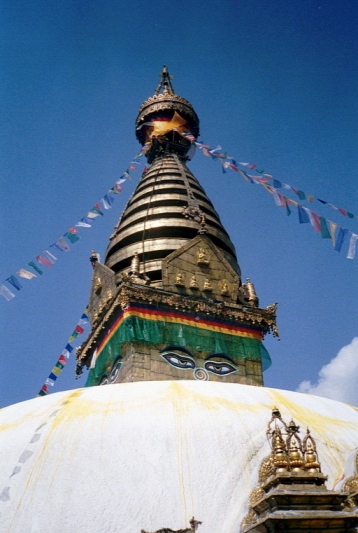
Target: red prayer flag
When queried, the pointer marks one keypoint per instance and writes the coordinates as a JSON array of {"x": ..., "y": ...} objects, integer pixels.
[
  {"x": 343, "y": 211},
  {"x": 62, "y": 359},
  {"x": 251, "y": 166},
  {"x": 79, "y": 329}
]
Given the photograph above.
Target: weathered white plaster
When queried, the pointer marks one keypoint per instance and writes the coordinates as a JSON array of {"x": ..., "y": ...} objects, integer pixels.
[{"x": 134, "y": 456}]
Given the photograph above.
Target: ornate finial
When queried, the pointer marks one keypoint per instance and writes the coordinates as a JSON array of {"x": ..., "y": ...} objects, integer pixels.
[
  {"x": 165, "y": 83},
  {"x": 94, "y": 258},
  {"x": 135, "y": 265},
  {"x": 203, "y": 229},
  {"x": 279, "y": 452},
  {"x": 295, "y": 456},
  {"x": 251, "y": 293},
  {"x": 312, "y": 463}
]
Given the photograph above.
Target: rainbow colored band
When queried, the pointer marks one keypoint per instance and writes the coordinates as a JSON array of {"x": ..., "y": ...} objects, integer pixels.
[{"x": 152, "y": 313}]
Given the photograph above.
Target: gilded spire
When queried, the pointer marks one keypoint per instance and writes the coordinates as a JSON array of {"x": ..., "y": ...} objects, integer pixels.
[{"x": 165, "y": 83}]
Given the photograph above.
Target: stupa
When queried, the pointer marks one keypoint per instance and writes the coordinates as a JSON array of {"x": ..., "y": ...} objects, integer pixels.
[{"x": 185, "y": 438}]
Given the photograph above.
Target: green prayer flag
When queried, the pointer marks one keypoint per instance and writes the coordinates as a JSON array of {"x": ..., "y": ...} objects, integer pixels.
[
  {"x": 301, "y": 195},
  {"x": 59, "y": 365},
  {"x": 288, "y": 210},
  {"x": 72, "y": 237},
  {"x": 350, "y": 214},
  {"x": 35, "y": 267},
  {"x": 324, "y": 229}
]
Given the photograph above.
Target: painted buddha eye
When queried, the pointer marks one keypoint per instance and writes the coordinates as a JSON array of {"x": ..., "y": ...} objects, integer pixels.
[
  {"x": 104, "y": 381},
  {"x": 178, "y": 360},
  {"x": 115, "y": 372},
  {"x": 221, "y": 369}
]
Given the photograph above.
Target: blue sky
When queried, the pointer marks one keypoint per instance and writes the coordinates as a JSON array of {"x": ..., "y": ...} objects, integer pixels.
[{"x": 273, "y": 82}]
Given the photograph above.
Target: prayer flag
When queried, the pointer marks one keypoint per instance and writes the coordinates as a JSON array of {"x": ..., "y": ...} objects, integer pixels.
[
  {"x": 59, "y": 365},
  {"x": 350, "y": 214},
  {"x": 84, "y": 223},
  {"x": 56, "y": 371},
  {"x": 62, "y": 359},
  {"x": 97, "y": 210},
  {"x": 79, "y": 330},
  {"x": 277, "y": 199},
  {"x": 246, "y": 176},
  {"x": 50, "y": 257},
  {"x": 72, "y": 237},
  {"x": 277, "y": 184},
  {"x": 252, "y": 167},
  {"x": 25, "y": 274},
  {"x": 309, "y": 213},
  {"x": 44, "y": 389},
  {"x": 35, "y": 267},
  {"x": 126, "y": 174},
  {"x": 49, "y": 382},
  {"x": 302, "y": 215},
  {"x": 6, "y": 293},
  {"x": 324, "y": 229},
  {"x": 244, "y": 164},
  {"x": 14, "y": 282},
  {"x": 67, "y": 351},
  {"x": 107, "y": 201},
  {"x": 352, "y": 246},
  {"x": 316, "y": 222},
  {"x": 301, "y": 195},
  {"x": 332, "y": 227},
  {"x": 44, "y": 261},
  {"x": 41, "y": 393},
  {"x": 322, "y": 201},
  {"x": 53, "y": 377},
  {"x": 61, "y": 244},
  {"x": 340, "y": 239},
  {"x": 132, "y": 167},
  {"x": 84, "y": 319},
  {"x": 91, "y": 215},
  {"x": 310, "y": 198},
  {"x": 343, "y": 211},
  {"x": 206, "y": 152}
]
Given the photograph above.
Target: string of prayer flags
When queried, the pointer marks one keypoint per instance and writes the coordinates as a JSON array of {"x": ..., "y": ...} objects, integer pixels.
[
  {"x": 320, "y": 224},
  {"x": 46, "y": 258},
  {"x": 64, "y": 356}
]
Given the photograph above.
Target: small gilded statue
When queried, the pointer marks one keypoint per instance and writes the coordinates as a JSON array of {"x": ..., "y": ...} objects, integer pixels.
[
  {"x": 224, "y": 288},
  {"x": 207, "y": 285},
  {"x": 97, "y": 285},
  {"x": 179, "y": 280},
  {"x": 194, "y": 282},
  {"x": 202, "y": 258}
]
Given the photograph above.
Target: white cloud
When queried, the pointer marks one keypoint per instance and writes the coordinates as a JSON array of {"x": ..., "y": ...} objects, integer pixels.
[{"x": 338, "y": 379}]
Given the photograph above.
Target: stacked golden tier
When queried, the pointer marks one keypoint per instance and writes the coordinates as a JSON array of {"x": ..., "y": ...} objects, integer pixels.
[{"x": 167, "y": 210}]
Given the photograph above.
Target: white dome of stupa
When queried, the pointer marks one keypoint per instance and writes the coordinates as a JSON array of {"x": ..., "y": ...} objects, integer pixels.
[{"x": 151, "y": 455}]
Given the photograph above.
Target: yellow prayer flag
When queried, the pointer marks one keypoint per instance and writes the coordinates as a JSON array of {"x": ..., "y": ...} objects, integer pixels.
[
  {"x": 332, "y": 228},
  {"x": 57, "y": 371}
]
